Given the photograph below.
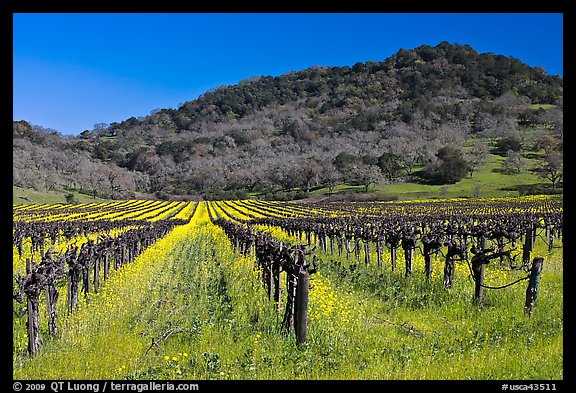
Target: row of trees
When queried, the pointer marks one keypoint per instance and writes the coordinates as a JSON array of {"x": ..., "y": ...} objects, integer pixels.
[
  {"x": 447, "y": 166},
  {"x": 44, "y": 161},
  {"x": 450, "y": 164},
  {"x": 408, "y": 157},
  {"x": 550, "y": 157}
]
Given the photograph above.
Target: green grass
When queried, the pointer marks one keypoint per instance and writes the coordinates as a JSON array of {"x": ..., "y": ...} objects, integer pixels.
[
  {"x": 488, "y": 182},
  {"x": 49, "y": 197}
]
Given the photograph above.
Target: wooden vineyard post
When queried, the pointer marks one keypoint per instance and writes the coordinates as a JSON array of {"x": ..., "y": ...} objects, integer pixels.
[
  {"x": 32, "y": 304},
  {"x": 276, "y": 279},
  {"x": 409, "y": 244},
  {"x": 449, "y": 267},
  {"x": 269, "y": 280},
  {"x": 97, "y": 275},
  {"x": 106, "y": 264},
  {"x": 331, "y": 244},
  {"x": 478, "y": 264},
  {"x": 478, "y": 261},
  {"x": 357, "y": 248},
  {"x": 291, "y": 284},
  {"x": 73, "y": 281},
  {"x": 115, "y": 248},
  {"x": 393, "y": 257},
  {"x": 347, "y": 244},
  {"x": 301, "y": 309},
  {"x": 427, "y": 264},
  {"x": 51, "y": 300},
  {"x": 32, "y": 324},
  {"x": 449, "y": 271},
  {"x": 138, "y": 249},
  {"x": 265, "y": 273},
  {"x": 367, "y": 252},
  {"x": 429, "y": 247},
  {"x": 528, "y": 245},
  {"x": 86, "y": 283},
  {"x": 124, "y": 255},
  {"x": 550, "y": 238},
  {"x": 69, "y": 296},
  {"x": 533, "y": 285},
  {"x": 393, "y": 241},
  {"x": 501, "y": 248},
  {"x": 379, "y": 252}
]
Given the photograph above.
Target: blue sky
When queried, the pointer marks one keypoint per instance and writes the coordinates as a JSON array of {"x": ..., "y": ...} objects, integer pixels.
[{"x": 71, "y": 71}]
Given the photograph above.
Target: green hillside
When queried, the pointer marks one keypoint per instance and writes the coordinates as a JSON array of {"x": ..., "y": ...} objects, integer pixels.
[
  {"x": 28, "y": 195},
  {"x": 488, "y": 182}
]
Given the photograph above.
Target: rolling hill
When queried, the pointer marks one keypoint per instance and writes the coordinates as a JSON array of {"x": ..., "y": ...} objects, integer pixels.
[{"x": 315, "y": 128}]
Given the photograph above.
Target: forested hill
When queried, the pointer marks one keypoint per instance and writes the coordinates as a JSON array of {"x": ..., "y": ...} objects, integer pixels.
[{"x": 305, "y": 127}]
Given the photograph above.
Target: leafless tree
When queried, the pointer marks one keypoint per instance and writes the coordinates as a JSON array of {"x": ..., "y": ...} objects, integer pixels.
[
  {"x": 552, "y": 167},
  {"x": 477, "y": 157}
]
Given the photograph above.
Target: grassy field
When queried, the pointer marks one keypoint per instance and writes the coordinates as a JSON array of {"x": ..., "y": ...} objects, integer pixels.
[
  {"x": 204, "y": 306},
  {"x": 28, "y": 195},
  {"x": 488, "y": 182}
]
